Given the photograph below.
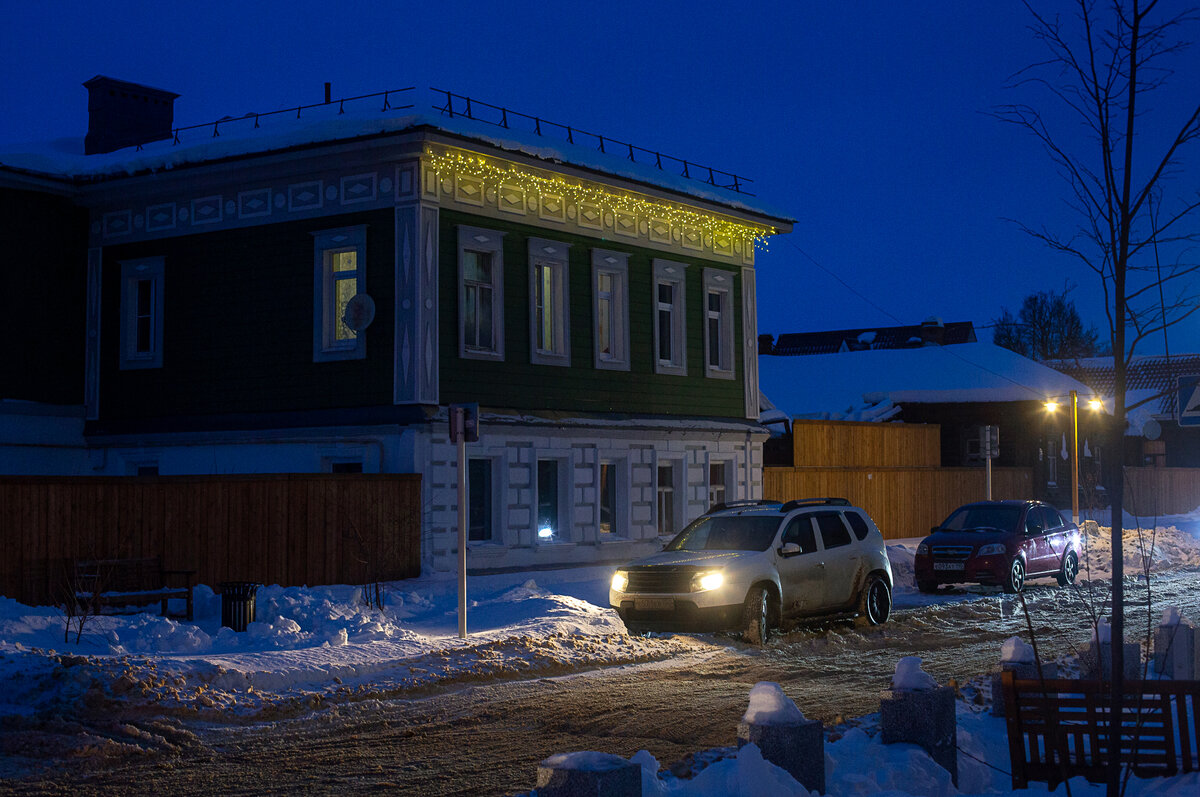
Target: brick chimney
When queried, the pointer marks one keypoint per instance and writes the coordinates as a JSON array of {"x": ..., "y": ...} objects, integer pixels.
[
  {"x": 933, "y": 332},
  {"x": 123, "y": 114}
]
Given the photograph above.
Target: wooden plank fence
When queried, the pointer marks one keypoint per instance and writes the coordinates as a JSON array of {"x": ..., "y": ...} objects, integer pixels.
[
  {"x": 904, "y": 502},
  {"x": 1151, "y": 492},
  {"x": 288, "y": 529}
]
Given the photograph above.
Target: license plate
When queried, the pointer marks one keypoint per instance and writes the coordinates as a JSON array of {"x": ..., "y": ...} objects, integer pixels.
[
  {"x": 949, "y": 565},
  {"x": 654, "y": 604}
]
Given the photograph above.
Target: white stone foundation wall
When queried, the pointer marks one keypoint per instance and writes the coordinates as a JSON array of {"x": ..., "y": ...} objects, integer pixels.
[{"x": 636, "y": 450}]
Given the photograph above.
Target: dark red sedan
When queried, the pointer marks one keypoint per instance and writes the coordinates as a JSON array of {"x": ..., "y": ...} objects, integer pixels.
[{"x": 999, "y": 543}]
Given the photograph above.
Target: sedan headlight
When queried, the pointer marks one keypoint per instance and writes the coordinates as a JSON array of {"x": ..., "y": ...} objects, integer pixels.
[
  {"x": 707, "y": 581},
  {"x": 620, "y": 581},
  {"x": 992, "y": 549},
  {"x": 923, "y": 549}
]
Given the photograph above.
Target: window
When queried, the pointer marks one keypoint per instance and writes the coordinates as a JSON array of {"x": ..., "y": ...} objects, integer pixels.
[
  {"x": 548, "y": 518},
  {"x": 858, "y": 524},
  {"x": 479, "y": 500},
  {"x": 800, "y": 531},
  {"x": 716, "y": 483},
  {"x": 608, "y": 499},
  {"x": 142, "y": 313},
  {"x": 834, "y": 533},
  {"x": 345, "y": 467},
  {"x": 1052, "y": 463},
  {"x": 339, "y": 260},
  {"x": 670, "y": 349},
  {"x": 549, "y": 316},
  {"x": 666, "y": 498},
  {"x": 718, "y": 324},
  {"x": 480, "y": 294},
  {"x": 610, "y": 306}
]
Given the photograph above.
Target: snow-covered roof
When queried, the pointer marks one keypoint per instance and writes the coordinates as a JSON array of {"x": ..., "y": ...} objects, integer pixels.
[
  {"x": 252, "y": 135},
  {"x": 841, "y": 385},
  {"x": 1148, "y": 377}
]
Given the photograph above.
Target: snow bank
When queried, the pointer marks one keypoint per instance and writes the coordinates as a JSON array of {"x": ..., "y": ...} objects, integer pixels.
[
  {"x": 910, "y": 677},
  {"x": 1016, "y": 651},
  {"x": 770, "y": 706}
]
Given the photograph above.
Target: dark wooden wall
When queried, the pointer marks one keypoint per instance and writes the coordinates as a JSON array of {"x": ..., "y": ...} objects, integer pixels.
[{"x": 291, "y": 529}]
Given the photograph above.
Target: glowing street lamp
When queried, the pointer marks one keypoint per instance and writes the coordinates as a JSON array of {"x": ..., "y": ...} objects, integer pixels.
[{"x": 1093, "y": 404}]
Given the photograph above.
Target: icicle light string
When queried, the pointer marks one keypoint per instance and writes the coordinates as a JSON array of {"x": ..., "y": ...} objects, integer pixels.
[{"x": 497, "y": 174}]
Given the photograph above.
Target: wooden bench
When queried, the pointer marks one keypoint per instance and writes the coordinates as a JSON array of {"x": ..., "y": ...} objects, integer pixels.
[
  {"x": 131, "y": 582},
  {"x": 1062, "y": 728}
]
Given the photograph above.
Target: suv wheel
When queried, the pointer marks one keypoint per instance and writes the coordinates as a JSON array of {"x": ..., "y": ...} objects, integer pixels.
[
  {"x": 755, "y": 617},
  {"x": 875, "y": 601},
  {"x": 1015, "y": 581},
  {"x": 1070, "y": 569}
]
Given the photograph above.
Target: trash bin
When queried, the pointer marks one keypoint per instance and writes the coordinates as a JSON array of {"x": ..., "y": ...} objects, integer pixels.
[{"x": 237, "y": 604}]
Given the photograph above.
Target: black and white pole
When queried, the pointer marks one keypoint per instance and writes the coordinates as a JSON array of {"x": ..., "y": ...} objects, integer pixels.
[
  {"x": 464, "y": 428},
  {"x": 990, "y": 443}
]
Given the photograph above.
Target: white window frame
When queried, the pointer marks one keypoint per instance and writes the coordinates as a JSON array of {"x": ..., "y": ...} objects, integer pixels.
[
  {"x": 620, "y": 509},
  {"x": 326, "y": 346},
  {"x": 491, "y": 243},
  {"x": 561, "y": 521},
  {"x": 150, "y": 269},
  {"x": 671, "y": 273},
  {"x": 719, "y": 283},
  {"x": 727, "y": 468},
  {"x": 678, "y": 490},
  {"x": 615, "y": 265},
  {"x": 551, "y": 256},
  {"x": 493, "y": 515}
]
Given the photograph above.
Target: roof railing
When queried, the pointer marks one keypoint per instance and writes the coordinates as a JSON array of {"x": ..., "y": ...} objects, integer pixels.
[
  {"x": 460, "y": 105},
  {"x": 387, "y": 97}
]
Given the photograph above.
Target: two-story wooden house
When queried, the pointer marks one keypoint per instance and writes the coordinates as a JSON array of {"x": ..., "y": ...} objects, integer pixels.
[{"x": 308, "y": 291}]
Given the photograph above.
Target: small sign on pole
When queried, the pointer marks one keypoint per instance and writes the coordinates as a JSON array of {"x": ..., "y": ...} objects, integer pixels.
[
  {"x": 989, "y": 447},
  {"x": 464, "y": 428}
]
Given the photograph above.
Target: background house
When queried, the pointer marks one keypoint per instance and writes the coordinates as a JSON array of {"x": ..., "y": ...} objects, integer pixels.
[{"x": 307, "y": 292}]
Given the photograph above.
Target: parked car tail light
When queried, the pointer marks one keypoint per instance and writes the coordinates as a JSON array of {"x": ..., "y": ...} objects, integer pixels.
[
  {"x": 620, "y": 581},
  {"x": 993, "y": 549},
  {"x": 705, "y": 582},
  {"x": 923, "y": 549}
]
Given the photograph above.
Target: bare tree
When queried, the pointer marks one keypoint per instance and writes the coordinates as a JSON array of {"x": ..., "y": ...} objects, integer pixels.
[
  {"x": 1047, "y": 327},
  {"x": 1103, "y": 62}
]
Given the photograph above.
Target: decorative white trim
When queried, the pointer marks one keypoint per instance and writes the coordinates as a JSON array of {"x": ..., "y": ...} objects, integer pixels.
[
  {"x": 616, "y": 266},
  {"x": 91, "y": 389},
  {"x": 669, "y": 272},
  {"x": 358, "y": 188},
  {"x": 490, "y": 243},
  {"x": 134, "y": 272},
  {"x": 255, "y": 203},
  {"x": 750, "y": 343},
  {"x": 720, "y": 284},
  {"x": 326, "y": 242},
  {"x": 207, "y": 210}
]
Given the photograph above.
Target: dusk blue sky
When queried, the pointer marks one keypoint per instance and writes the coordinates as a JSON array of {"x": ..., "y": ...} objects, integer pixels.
[{"x": 865, "y": 121}]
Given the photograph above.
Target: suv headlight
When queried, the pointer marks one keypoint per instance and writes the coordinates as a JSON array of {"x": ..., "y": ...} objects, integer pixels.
[
  {"x": 707, "y": 581},
  {"x": 991, "y": 549},
  {"x": 620, "y": 581},
  {"x": 923, "y": 549}
]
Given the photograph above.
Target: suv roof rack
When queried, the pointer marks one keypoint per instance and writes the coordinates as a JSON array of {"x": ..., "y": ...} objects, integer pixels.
[
  {"x": 799, "y": 502},
  {"x": 741, "y": 503}
]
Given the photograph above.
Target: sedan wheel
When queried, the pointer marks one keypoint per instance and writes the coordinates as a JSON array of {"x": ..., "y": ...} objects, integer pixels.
[
  {"x": 755, "y": 616},
  {"x": 1070, "y": 569},
  {"x": 1016, "y": 576},
  {"x": 875, "y": 601}
]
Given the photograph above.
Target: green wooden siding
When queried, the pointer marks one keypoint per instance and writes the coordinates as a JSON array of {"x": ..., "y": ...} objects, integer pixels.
[
  {"x": 518, "y": 384},
  {"x": 44, "y": 283},
  {"x": 238, "y": 325}
]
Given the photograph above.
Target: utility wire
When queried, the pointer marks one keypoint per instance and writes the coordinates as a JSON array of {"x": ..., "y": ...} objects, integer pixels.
[{"x": 948, "y": 349}]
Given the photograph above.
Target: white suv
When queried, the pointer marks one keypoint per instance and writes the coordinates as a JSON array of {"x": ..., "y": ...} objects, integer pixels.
[{"x": 754, "y": 565}]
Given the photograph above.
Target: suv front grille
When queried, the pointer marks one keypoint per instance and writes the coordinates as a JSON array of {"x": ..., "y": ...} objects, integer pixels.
[
  {"x": 952, "y": 553},
  {"x": 660, "y": 579}
]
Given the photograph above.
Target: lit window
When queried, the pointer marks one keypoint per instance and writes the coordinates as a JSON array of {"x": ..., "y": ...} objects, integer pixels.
[
  {"x": 548, "y": 518},
  {"x": 479, "y": 500},
  {"x": 718, "y": 323},
  {"x": 670, "y": 350},
  {"x": 716, "y": 483},
  {"x": 142, "y": 313},
  {"x": 666, "y": 498},
  {"x": 610, "y": 291},
  {"x": 339, "y": 271},
  {"x": 481, "y": 293},
  {"x": 549, "y": 317}
]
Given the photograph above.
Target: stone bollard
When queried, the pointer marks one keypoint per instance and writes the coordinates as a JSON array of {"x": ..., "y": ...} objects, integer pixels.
[
  {"x": 785, "y": 737},
  {"x": 588, "y": 774},
  {"x": 1175, "y": 646},
  {"x": 1017, "y": 657},
  {"x": 1096, "y": 658},
  {"x": 917, "y": 711}
]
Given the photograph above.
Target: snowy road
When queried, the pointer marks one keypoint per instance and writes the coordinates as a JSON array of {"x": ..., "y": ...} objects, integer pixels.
[{"x": 487, "y": 739}]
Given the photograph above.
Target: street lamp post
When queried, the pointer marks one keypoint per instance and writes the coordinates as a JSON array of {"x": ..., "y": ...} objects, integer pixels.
[{"x": 1095, "y": 404}]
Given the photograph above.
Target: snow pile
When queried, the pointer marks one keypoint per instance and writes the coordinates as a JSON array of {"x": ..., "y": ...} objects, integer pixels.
[
  {"x": 1016, "y": 651},
  {"x": 1165, "y": 547},
  {"x": 770, "y": 706},
  {"x": 910, "y": 677},
  {"x": 587, "y": 761}
]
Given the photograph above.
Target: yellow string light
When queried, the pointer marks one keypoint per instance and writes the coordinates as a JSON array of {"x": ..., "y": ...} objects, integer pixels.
[{"x": 494, "y": 173}]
